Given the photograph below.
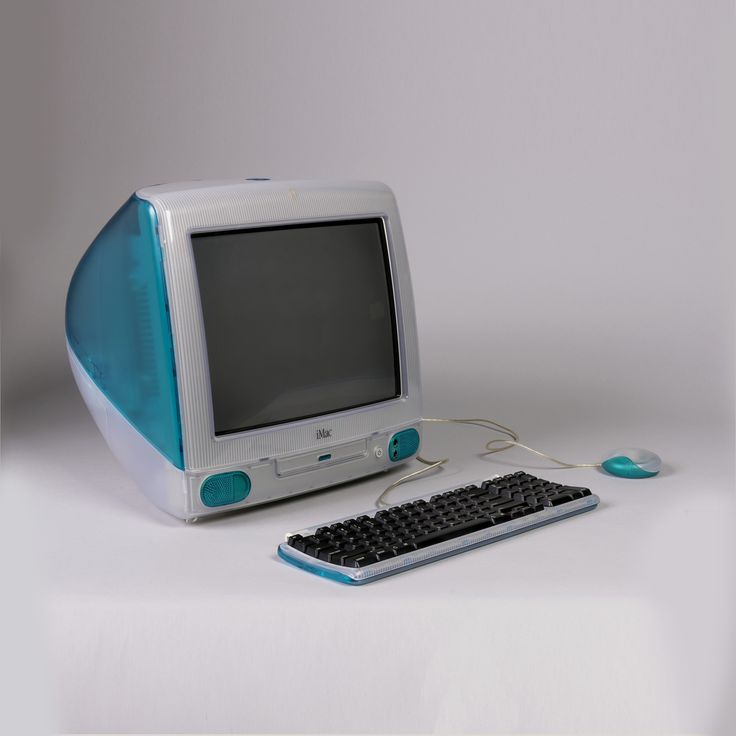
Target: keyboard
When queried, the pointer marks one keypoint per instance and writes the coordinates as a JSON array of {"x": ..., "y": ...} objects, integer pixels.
[{"x": 378, "y": 543}]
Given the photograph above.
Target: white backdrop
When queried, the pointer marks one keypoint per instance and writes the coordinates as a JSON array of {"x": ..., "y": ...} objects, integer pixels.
[
  {"x": 562, "y": 169},
  {"x": 564, "y": 172}
]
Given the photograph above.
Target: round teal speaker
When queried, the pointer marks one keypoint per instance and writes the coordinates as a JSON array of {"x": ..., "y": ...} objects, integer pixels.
[
  {"x": 224, "y": 489},
  {"x": 403, "y": 444}
]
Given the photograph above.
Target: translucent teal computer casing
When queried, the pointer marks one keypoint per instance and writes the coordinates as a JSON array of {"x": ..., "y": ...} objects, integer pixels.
[{"x": 137, "y": 349}]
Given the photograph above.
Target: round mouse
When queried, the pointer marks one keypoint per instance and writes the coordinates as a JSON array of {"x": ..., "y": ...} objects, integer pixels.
[{"x": 632, "y": 462}]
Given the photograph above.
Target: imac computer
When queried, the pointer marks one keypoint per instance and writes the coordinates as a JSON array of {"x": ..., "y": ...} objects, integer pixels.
[{"x": 245, "y": 341}]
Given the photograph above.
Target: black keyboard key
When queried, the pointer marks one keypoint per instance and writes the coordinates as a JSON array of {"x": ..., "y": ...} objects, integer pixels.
[
  {"x": 458, "y": 530},
  {"x": 574, "y": 491},
  {"x": 349, "y": 555},
  {"x": 311, "y": 545},
  {"x": 326, "y": 553},
  {"x": 560, "y": 498},
  {"x": 336, "y": 557},
  {"x": 297, "y": 542},
  {"x": 385, "y": 553},
  {"x": 507, "y": 506},
  {"x": 360, "y": 560}
]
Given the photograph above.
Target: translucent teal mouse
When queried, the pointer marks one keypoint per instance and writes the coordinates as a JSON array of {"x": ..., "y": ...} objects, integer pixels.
[{"x": 632, "y": 462}]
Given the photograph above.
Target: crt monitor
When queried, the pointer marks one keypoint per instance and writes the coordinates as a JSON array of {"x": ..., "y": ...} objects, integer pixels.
[{"x": 245, "y": 341}]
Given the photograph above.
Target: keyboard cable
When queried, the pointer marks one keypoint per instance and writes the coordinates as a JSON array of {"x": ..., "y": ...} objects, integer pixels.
[{"x": 499, "y": 444}]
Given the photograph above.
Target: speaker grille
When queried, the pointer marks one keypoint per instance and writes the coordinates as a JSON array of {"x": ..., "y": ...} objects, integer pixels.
[{"x": 224, "y": 489}]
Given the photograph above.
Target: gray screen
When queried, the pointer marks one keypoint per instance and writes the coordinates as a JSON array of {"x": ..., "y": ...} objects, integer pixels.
[{"x": 299, "y": 321}]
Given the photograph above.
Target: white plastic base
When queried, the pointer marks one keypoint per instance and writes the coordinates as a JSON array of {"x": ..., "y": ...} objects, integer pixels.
[
  {"x": 165, "y": 485},
  {"x": 178, "y": 491}
]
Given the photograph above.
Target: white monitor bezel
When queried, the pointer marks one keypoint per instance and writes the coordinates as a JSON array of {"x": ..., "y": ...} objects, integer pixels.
[
  {"x": 396, "y": 307},
  {"x": 209, "y": 207}
]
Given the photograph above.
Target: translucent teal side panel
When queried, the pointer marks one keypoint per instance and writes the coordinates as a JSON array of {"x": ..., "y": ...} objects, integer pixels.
[{"x": 117, "y": 323}]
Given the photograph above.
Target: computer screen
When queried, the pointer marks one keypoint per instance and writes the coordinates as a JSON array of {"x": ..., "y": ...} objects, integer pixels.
[{"x": 299, "y": 320}]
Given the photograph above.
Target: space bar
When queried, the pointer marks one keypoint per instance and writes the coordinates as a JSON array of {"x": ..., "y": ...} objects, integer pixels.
[{"x": 455, "y": 531}]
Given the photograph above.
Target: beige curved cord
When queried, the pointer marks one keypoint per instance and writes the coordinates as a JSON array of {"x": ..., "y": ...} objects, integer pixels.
[
  {"x": 509, "y": 443},
  {"x": 512, "y": 441},
  {"x": 482, "y": 423},
  {"x": 431, "y": 465}
]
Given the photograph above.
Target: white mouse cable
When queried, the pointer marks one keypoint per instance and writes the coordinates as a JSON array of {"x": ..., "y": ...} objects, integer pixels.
[{"x": 511, "y": 440}]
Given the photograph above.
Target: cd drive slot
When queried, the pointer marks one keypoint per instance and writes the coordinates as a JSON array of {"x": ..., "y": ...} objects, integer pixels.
[{"x": 321, "y": 458}]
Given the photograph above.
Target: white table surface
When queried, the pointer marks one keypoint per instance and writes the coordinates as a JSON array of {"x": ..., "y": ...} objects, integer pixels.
[{"x": 619, "y": 620}]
